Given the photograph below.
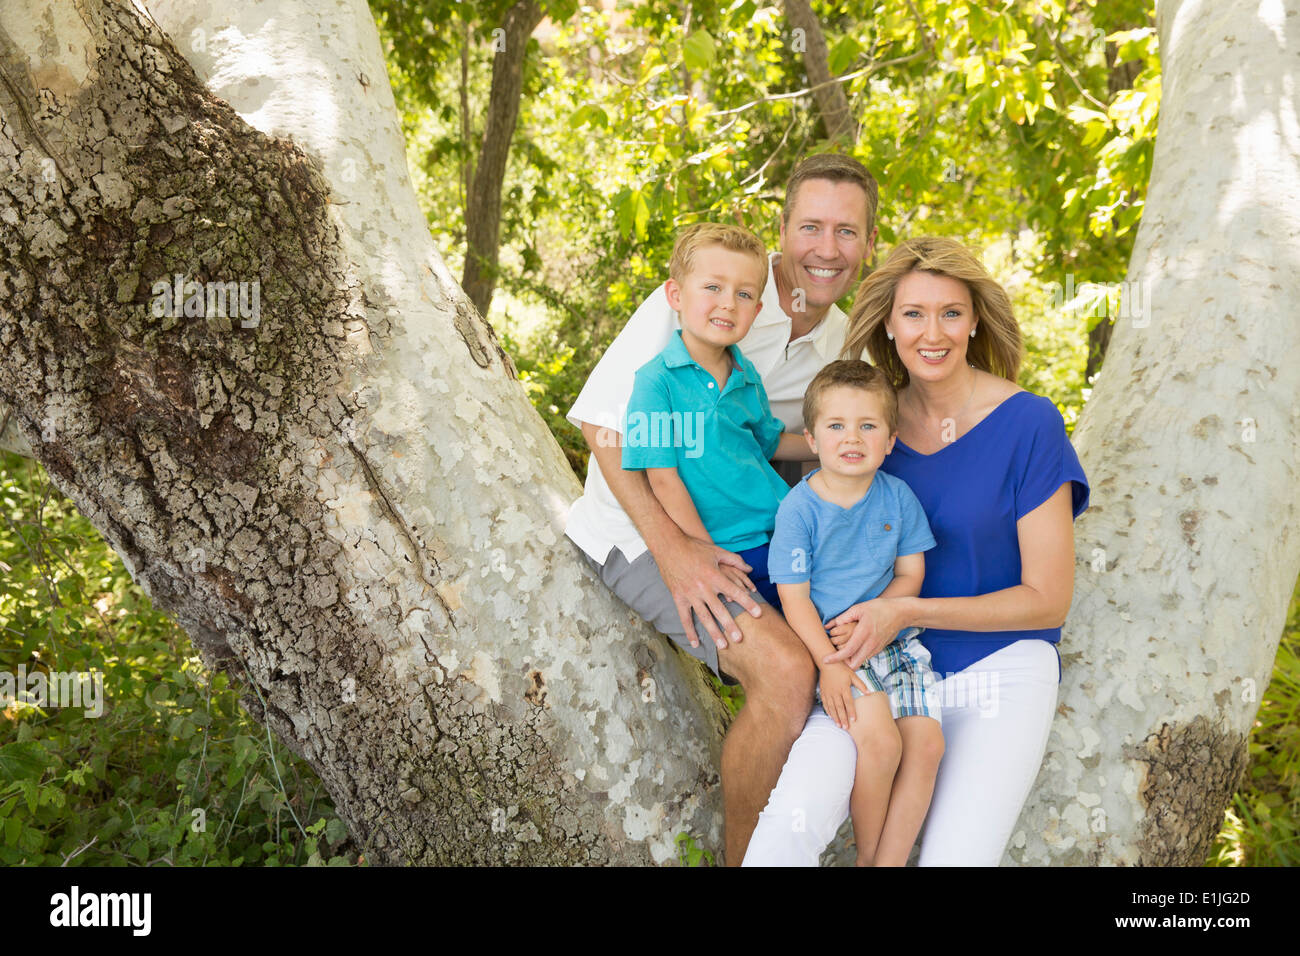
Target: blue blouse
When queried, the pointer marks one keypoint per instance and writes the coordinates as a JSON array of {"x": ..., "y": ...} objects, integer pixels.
[{"x": 974, "y": 490}]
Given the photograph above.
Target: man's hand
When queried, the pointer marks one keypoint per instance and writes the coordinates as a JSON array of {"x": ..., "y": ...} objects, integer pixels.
[
  {"x": 864, "y": 630},
  {"x": 836, "y": 689},
  {"x": 696, "y": 573}
]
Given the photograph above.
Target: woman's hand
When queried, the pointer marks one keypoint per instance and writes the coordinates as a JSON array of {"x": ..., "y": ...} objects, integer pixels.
[{"x": 863, "y": 630}]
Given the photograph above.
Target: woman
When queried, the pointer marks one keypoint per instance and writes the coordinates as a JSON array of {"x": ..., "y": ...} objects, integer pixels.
[{"x": 1000, "y": 483}]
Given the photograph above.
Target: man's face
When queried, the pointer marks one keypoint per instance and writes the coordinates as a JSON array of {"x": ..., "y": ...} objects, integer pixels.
[{"x": 826, "y": 241}]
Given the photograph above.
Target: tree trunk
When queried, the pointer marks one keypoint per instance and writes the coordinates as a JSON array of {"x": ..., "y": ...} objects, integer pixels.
[
  {"x": 832, "y": 101},
  {"x": 340, "y": 491},
  {"x": 483, "y": 212},
  {"x": 1189, "y": 554},
  {"x": 346, "y": 499}
]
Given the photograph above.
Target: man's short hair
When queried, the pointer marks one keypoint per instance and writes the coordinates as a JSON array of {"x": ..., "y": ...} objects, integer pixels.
[
  {"x": 853, "y": 373},
  {"x": 836, "y": 168},
  {"x": 694, "y": 238}
]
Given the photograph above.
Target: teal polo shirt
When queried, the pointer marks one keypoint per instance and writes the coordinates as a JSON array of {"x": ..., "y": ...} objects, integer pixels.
[{"x": 719, "y": 443}]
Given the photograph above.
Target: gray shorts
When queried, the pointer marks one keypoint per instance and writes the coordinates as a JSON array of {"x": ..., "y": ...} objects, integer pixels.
[{"x": 641, "y": 587}]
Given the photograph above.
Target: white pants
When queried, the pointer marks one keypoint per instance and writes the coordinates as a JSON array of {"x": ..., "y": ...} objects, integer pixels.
[{"x": 997, "y": 714}]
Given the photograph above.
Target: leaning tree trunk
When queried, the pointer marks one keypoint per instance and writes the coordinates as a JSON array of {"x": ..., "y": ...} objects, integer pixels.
[
  {"x": 1189, "y": 553},
  {"x": 483, "y": 201},
  {"x": 832, "y": 102},
  {"x": 340, "y": 491}
]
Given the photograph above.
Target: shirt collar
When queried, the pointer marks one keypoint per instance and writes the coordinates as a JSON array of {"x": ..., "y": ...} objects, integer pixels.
[
  {"x": 676, "y": 355},
  {"x": 819, "y": 336}
]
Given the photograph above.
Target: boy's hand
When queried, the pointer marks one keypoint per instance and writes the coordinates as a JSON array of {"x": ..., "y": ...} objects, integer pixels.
[
  {"x": 864, "y": 630},
  {"x": 836, "y": 688}
]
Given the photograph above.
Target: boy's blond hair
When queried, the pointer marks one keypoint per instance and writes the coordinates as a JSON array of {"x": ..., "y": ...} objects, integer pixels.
[
  {"x": 853, "y": 373},
  {"x": 694, "y": 238}
]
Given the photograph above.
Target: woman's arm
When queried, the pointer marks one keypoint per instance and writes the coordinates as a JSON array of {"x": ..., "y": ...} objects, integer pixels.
[
  {"x": 909, "y": 573},
  {"x": 1041, "y": 599}
]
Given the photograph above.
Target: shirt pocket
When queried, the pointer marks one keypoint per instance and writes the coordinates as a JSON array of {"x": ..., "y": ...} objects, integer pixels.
[{"x": 880, "y": 539}]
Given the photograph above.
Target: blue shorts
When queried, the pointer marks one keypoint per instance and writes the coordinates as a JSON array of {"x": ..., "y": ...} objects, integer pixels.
[{"x": 756, "y": 558}]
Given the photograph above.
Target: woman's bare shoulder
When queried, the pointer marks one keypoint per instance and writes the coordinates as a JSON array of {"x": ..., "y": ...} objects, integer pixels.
[
  {"x": 998, "y": 388},
  {"x": 993, "y": 391}
]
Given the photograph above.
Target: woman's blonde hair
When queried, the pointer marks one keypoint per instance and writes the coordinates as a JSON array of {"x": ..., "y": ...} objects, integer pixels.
[{"x": 996, "y": 347}]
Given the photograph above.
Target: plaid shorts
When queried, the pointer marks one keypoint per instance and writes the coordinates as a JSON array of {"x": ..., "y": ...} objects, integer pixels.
[{"x": 902, "y": 670}]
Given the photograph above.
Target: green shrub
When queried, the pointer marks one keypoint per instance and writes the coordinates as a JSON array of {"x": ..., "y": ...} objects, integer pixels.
[
  {"x": 1259, "y": 827},
  {"x": 173, "y": 771}
]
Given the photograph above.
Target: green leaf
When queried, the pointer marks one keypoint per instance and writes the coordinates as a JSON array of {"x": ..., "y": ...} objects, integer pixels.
[
  {"x": 31, "y": 793},
  {"x": 560, "y": 10},
  {"x": 641, "y": 214},
  {"x": 843, "y": 53},
  {"x": 589, "y": 113},
  {"x": 30, "y": 840},
  {"x": 697, "y": 51},
  {"x": 1082, "y": 115},
  {"x": 633, "y": 212},
  {"x": 22, "y": 760}
]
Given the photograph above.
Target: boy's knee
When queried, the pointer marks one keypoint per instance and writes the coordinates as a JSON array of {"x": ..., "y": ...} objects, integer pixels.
[
  {"x": 928, "y": 744},
  {"x": 879, "y": 744},
  {"x": 923, "y": 741}
]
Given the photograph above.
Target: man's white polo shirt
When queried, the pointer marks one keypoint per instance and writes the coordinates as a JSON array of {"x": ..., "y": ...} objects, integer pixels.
[{"x": 597, "y": 522}]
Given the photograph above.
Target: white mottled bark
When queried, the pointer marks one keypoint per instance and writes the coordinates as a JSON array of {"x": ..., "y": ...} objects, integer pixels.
[
  {"x": 1189, "y": 554},
  {"x": 377, "y": 508},
  {"x": 380, "y": 529}
]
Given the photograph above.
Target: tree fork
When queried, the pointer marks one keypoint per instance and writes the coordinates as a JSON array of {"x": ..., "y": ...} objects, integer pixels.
[{"x": 344, "y": 496}]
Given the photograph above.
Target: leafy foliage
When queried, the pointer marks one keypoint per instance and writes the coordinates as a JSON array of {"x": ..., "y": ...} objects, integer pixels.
[
  {"x": 1260, "y": 827},
  {"x": 173, "y": 771},
  {"x": 1024, "y": 128}
]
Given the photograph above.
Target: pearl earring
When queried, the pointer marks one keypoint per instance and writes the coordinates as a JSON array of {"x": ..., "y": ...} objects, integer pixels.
[
  {"x": 972, "y": 333},
  {"x": 890, "y": 336}
]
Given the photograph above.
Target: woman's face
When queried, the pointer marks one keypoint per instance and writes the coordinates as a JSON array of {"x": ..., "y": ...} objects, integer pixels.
[{"x": 931, "y": 323}]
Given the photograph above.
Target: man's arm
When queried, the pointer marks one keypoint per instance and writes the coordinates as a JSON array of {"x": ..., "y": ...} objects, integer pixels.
[
  {"x": 694, "y": 572},
  {"x": 794, "y": 448}
]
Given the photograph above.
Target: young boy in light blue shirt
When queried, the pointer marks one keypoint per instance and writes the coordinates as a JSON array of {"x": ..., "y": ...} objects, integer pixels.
[{"x": 844, "y": 535}]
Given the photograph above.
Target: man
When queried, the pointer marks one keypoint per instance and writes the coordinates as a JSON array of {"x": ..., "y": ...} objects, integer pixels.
[{"x": 827, "y": 234}]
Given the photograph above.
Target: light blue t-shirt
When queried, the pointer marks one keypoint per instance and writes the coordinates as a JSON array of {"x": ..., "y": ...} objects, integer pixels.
[
  {"x": 719, "y": 442},
  {"x": 847, "y": 554}
]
